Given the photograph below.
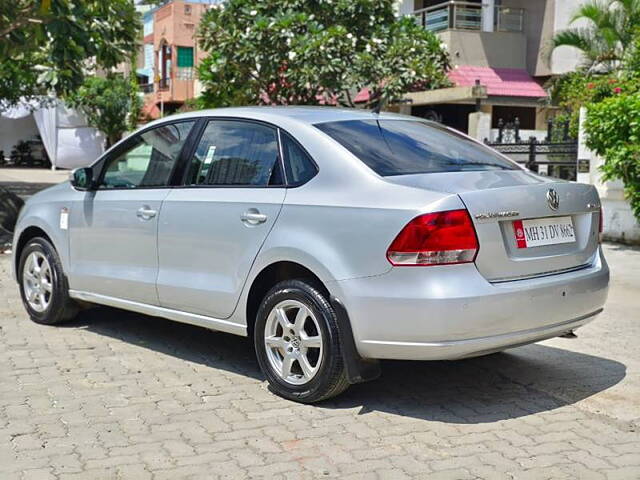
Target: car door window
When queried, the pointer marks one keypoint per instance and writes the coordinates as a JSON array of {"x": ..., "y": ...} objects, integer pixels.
[
  {"x": 233, "y": 152},
  {"x": 297, "y": 163},
  {"x": 149, "y": 159}
]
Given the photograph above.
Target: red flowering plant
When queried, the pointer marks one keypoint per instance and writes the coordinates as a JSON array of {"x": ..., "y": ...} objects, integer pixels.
[
  {"x": 573, "y": 90},
  {"x": 613, "y": 131}
]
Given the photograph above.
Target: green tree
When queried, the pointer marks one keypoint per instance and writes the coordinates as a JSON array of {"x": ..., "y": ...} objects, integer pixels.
[
  {"x": 47, "y": 45},
  {"x": 613, "y": 131},
  {"x": 301, "y": 52},
  {"x": 577, "y": 89},
  {"x": 609, "y": 31},
  {"x": 612, "y": 99},
  {"x": 107, "y": 104}
]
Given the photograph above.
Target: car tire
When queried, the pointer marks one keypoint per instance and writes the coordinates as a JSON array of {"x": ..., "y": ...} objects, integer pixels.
[
  {"x": 310, "y": 350},
  {"x": 43, "y": 285}
]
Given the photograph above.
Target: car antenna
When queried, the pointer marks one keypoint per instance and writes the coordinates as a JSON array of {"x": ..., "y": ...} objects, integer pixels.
[{"x": 377, "y": 106}]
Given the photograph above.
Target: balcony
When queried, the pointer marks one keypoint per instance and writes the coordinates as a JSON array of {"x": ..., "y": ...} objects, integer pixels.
[
  {"x": 455, "y": 15},
  {"x": 146, "y": 87},
  {"x": 164, "y": 84}
]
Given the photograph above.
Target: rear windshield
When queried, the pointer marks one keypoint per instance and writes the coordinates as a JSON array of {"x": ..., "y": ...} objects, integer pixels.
[{"x": 404, "y": 147}]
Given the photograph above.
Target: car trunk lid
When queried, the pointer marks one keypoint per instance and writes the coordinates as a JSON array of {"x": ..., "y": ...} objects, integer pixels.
[{"x": 495, "y": 199}]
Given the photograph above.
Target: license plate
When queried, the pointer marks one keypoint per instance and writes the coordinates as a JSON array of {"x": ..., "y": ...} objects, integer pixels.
[{"x": 543, "y": 231}]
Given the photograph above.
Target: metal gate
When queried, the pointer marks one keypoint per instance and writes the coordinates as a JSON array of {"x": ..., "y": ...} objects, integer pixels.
[{"x": 556, "y": 155}]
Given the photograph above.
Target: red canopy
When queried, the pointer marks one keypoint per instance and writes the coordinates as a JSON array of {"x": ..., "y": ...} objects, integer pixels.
[{"x": 504, "y": 82}]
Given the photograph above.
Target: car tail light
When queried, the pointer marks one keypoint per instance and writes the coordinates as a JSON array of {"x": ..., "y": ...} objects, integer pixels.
[{"x": 440, "y": 238}]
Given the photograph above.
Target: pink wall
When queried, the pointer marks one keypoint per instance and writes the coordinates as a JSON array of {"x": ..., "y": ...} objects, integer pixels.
[{"x": 177, "y": 24}]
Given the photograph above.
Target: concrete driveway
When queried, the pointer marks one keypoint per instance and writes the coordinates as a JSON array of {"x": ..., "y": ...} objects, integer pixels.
[
  {"x": 120, "y": 395},
  {"x": 27, "y": 181}
]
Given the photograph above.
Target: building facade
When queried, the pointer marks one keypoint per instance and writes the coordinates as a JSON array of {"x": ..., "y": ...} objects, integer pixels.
[
  {"x": 501, "y": 46},
  {"x": 170, "y": 54}
]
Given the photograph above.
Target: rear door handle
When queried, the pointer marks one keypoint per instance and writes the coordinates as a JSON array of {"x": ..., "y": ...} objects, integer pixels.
[
  {"x": 146, "y": 212},
  {"x": 253, "y": 217}
]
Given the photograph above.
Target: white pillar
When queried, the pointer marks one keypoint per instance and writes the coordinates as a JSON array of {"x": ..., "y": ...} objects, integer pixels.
[
  {"x": 488, "y": 15},
  {"x": 480, "y": 126},
  {"x": 584, "y": 154},
  {"x": 404, "y": 109}
]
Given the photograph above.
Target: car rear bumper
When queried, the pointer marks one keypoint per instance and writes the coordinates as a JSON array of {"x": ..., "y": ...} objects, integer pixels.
[{"x": 451, "y": 312}]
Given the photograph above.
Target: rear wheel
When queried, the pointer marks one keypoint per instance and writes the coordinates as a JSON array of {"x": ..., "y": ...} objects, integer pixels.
[
  {"x": 297, "y": 343},
  {"x": 43, "y": 286}
]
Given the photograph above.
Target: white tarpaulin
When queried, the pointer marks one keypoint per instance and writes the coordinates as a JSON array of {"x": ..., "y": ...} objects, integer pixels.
[
  {"x": 46, "y": 121},
  {"x": 69, "y": 141},
  {"x": 14, "y": 112},
  {"x": 15, "y": 129},
  {"x": 78, "y": 145}
]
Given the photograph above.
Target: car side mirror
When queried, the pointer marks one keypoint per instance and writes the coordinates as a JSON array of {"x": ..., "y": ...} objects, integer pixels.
[{"x": 82, "y": 179}]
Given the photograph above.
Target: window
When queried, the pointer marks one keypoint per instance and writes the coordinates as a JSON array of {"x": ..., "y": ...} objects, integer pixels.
[
  {"x": 149, "y": 161},
  {"x": 147, "y": 24},
  {"x": 299, "y": 167},
  {"x": 148, "y": 56},
  {"x": 404, "y": 147},
  {"x": 234, "y": 152},
  {"x": 185, "y": 57}
]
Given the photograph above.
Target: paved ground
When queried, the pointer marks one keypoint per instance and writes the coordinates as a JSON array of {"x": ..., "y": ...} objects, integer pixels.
[
  {"x": 119, "y": 395},
  {"x": 27, "y": 181},
  {"x": 23, "y": 182}
]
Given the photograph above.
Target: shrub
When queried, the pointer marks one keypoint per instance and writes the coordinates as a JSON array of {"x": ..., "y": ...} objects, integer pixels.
[{"x": 613, "y": 131}]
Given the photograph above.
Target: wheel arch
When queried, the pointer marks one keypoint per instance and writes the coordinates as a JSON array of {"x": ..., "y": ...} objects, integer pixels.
[
  {"x": 269, "y": 276},
  {"x": 357, "y": 369}
]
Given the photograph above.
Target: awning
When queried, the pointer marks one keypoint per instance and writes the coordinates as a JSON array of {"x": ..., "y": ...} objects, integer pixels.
[
  {"x": 497, "y": 82},
  {"x": 503, "y": 82},
  {"x": 21, "y": 109},
  {"x": 145, "y": 72}
]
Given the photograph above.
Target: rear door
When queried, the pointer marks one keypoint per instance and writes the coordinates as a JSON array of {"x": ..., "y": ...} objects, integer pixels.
[
  {"x": 113, "y": 229},
  {"x": 212, "y": 228}
]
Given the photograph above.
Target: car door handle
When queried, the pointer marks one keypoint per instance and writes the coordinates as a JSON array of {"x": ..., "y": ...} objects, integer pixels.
[
  {"x": 253, "y": 217},
  {"x": 146, "y": 213}
]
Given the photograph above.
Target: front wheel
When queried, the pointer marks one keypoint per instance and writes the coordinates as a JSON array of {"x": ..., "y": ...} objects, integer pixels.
[
  {"x": 43, "y": 286},
  {"x": 297, "y": 343}
]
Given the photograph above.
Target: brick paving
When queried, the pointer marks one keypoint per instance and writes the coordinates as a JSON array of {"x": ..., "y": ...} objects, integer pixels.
[{"x": 116, "y": 395}]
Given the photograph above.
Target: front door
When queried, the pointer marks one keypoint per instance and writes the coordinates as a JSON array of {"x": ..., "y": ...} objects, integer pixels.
[
  {"x": 113, "y": 229},
  {"x": 212, "y": 228}
]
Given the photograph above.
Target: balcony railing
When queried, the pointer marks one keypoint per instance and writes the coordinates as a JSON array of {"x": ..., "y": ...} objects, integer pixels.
[
  {"x": 468, "y": 16},
  {"x": 509, "y": 19},
  {"x": 146, "y": 87}
]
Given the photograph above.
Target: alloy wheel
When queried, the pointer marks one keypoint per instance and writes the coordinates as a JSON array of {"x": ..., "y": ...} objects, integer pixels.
[
  {"x": 37, "y": 281},
  {"x": 293, "y": 342}
]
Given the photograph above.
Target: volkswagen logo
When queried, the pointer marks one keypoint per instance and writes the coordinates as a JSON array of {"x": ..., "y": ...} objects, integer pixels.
[{"x": 553, "y": 199}]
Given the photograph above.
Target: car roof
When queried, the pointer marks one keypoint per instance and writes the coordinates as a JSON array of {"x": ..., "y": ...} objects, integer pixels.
[{"x": 303, "y": 114}]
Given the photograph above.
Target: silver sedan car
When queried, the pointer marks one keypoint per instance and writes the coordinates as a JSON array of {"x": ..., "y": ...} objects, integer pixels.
[{"x": 333, "y": 238}]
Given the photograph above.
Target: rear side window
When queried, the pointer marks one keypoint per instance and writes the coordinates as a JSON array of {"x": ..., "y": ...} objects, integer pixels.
[
  {"x": 239, "y": 153},
  {"x": 404, "y": 147},
  {"x": 298, "y": 165}
]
